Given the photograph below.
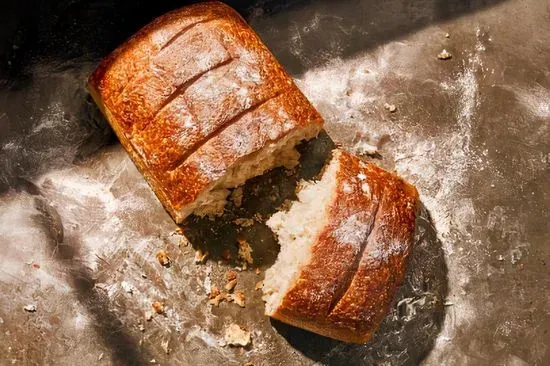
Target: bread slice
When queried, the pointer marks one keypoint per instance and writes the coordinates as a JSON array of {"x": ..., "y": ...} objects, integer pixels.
[
  {"x": 201, "y": 105},
  {"x": 344, "y": 246}
]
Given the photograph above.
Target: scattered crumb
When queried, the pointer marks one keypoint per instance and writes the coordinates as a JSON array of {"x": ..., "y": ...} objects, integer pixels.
[
  {"x": 245, "y": 251},
  {"x": 236, "y": 336},
  {"x": 273, "y": 198},
  {"x": 258, "y": 217},
  {"x": 500, "y": 257},
  {"x": 231, "y": 275},
  {"x": 447, "y": 35},
  {"x": 141, "y": 327},
  {"x": 158, "y": 307},
  {"x": 239, "y": 298},
  {"x": 214, "y": 292},
  {"x": 248, "y": 363},
  {"x": 390, "y": 107},
  {"x": 226, "y": 254},
  {"x": 444, "y": 55},
  {"x": 100, "y": 357},
  {"x": 244, "y": 222},
  {"x": 200, "y": 256},
  {"x": 153, "y": 361},
  {"x": 143, "y": 275},
  {"x": 148, "y": 316},
  {"x": 178, "y": 231},
  {"x": 237, "y": 196},
  {"x": 31, "y": 308},
  {"x": 258, "y": 271},
  {"x": 163, "y": 258},
  {"x": 164, "y": 344},
  {"x": 229, "y": 286},
  {"x": 259, "y": 285},
  {"x": 183, "y": 242},
  {"x": 448, "y": 303},
  {"x": 218, "y": 299}
]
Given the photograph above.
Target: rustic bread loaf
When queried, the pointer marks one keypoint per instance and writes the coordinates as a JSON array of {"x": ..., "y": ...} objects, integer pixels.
[
  {"x": 344, "y": 245},
  {"x": 201, "y": 105}
]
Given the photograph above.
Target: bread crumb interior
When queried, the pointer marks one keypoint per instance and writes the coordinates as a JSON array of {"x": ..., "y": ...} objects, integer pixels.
[
  {"x": 276, "y": 154},
  {"x": 297, "y": 230}
]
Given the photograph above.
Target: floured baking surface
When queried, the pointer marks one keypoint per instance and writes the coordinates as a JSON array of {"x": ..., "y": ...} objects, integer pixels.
[{"x": 80, "y": 228}]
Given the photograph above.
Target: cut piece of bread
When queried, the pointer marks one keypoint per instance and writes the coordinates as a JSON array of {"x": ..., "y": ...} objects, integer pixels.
[
  {"x": 344, "y": 246},
  {"x": 201, "y": 105}
]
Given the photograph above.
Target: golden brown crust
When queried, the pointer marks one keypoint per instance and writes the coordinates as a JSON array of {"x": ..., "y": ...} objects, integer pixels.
[
  {"x": 174, "y": 90},
  {"x": 358, "y": 260}
]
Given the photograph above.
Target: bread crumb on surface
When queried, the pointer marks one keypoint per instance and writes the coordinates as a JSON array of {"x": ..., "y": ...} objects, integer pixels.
[
  {"x": 259, "y": 285},
  {"x": 243, "y": 222},
  {"x": 231, "y": 275},
  {"x": 237, "y": 196},
  {"x": 236, "y": 336},
  {"x": 229, "y": 286},
  {"x": 390, "y": 107},
  {"x": 218, "y": 299},
  {"x": 158, "y": 307},
  {"x": 238, "y": 298},
  {"x": 214, "y": 291},
  {"x": 245, "y": 251},
  {"x": 200, "y": 256},
  {"x": 257, "y": 271},
  {"x": 31, "y": 308},
  {"x": 444, "y": 55},
  {"x": 183, "y": 242},
  {"x": 163, "y": 258}
]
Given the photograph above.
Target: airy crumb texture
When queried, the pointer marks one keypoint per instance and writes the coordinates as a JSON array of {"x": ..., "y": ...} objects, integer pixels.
[
  {"x": 236, "y": 336},
  {"x": 297, "y": 230}
]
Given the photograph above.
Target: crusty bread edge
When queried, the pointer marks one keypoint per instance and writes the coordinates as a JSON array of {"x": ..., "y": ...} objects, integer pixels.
[
  {"x": 326, "y": 327},
  {"x": 142, "y": 168}
]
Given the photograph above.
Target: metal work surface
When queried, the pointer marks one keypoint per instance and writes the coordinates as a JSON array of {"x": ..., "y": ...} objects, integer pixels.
[{"x": 80, "y": 228}]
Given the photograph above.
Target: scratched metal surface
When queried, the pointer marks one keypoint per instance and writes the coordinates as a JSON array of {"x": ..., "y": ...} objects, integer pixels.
[{"x": 79, "y": 228}]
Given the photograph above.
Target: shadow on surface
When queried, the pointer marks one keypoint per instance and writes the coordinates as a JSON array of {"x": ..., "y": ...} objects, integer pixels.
[
  {"x": 409, "y": 330},
  {"x": 111, "y": 331},
  {"x": 261, "y": 197}
]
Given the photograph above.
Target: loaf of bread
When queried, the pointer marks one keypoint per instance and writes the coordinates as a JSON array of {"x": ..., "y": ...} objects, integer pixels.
[
  {"x": 201, "y": 105},
  {"x": 344, "y": 246}
]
